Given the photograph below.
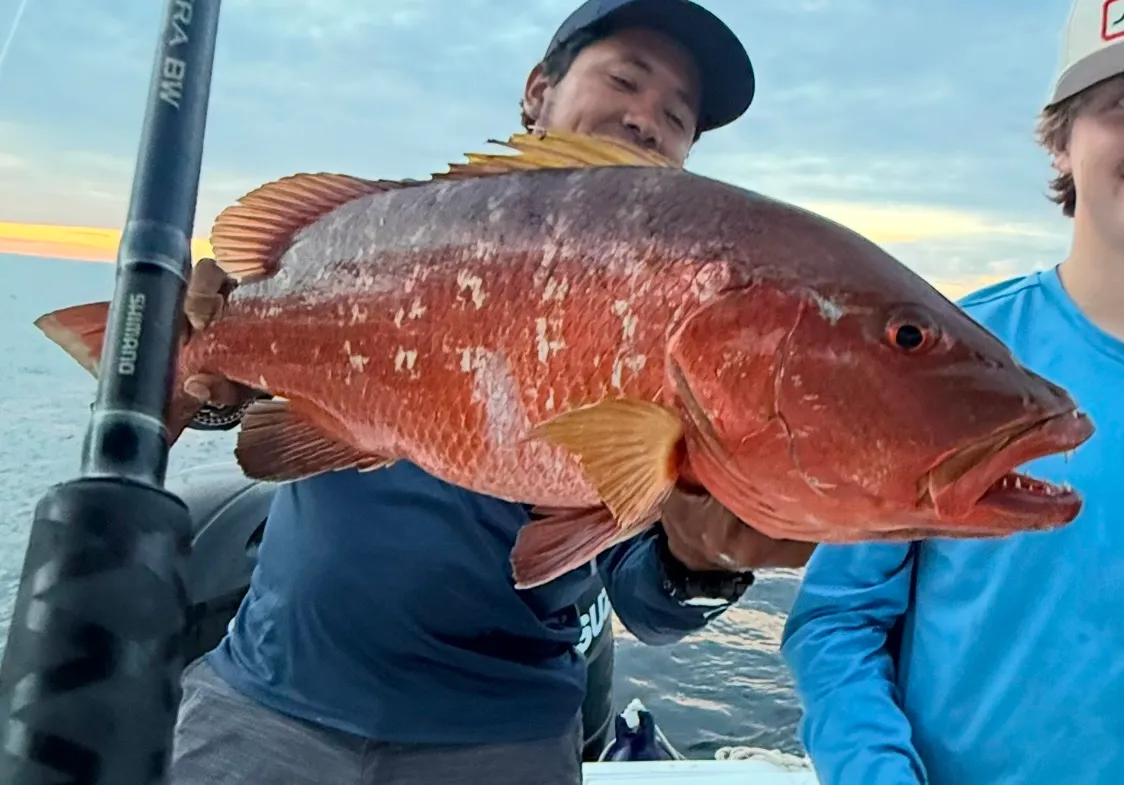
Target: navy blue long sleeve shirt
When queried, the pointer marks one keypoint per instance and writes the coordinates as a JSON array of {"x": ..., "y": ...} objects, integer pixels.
[{"x": 383, "y": 605}]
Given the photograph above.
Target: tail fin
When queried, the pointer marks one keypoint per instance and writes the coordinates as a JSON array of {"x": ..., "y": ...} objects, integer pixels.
[{"x": 80, "y": 331}]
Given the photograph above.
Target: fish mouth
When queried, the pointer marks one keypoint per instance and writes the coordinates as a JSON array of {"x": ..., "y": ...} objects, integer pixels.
[{"x": 984, "y": 476}]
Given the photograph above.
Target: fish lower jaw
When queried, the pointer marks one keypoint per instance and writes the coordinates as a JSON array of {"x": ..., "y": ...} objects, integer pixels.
[
  {"x": 1040, "y": 504},
  {"x": 1014, "y": 501}
]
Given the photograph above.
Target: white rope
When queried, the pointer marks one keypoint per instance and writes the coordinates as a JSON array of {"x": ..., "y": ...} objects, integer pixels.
[{"x": 782, "y": 760}]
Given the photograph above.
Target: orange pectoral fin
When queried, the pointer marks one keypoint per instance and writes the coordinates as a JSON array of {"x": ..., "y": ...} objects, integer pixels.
[{"x": 629, "y": 449}]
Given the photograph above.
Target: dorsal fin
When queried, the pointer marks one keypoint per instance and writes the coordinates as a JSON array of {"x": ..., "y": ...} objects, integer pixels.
[
  {"x": 250, "y": 237},
  {"x": 554, "y": 150}
]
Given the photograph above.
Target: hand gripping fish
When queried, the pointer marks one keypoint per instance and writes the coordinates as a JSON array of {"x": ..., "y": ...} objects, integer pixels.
[{"x": 580, "y": 326}]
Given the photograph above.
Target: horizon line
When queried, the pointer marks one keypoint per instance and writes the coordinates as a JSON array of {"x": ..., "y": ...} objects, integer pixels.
[{"x": 74, "y": 243}]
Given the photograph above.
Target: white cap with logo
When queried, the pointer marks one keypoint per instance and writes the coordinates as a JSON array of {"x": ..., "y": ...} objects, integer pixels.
[{"x": 1092, "y": 47}]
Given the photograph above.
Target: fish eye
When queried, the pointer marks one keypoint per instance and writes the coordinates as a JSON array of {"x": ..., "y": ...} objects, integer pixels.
[
  {"x": 908, "y": 336},
  {"x": 911, "y": 332}
]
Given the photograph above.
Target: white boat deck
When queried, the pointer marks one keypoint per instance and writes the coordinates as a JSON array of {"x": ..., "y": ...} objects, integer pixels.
[
  {"x": 695, "y": 772},
  {"x": 731, "y": 766}
]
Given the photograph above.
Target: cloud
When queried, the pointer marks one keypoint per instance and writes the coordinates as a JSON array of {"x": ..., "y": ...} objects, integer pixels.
[
  {"x": 912, "y": 223},
  {"x": 12, "y": 162},
  {"x": 910, "y": 123}
]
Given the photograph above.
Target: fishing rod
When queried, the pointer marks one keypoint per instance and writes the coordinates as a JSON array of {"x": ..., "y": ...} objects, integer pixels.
[{"x": 89, "y": 685}]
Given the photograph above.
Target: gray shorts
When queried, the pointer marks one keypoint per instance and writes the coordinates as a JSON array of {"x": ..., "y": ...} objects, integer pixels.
[{"x": 224, "y": 738}]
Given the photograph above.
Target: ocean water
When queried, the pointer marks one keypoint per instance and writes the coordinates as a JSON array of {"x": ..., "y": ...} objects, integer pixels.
[{"x": 723, "y": 686}]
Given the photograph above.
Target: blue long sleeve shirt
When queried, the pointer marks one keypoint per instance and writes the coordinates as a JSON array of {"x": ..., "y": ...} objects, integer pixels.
[
  {"x": 1009, "y": 666},
  {"x": 382, "y": 605}
]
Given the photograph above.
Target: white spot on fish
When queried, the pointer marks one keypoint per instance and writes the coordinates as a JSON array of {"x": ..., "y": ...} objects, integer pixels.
[
  {"x": 829, "y": 308},
  {"x": 418, "y": 273},
  {"x": 474, "y": 284},
  {"x": 625, "y": 358},
  {"x": 550, "y": 400},
  {"x": 273, "y": 347},
  {"x": 405, "y": 359},
  {"x": 494, "y": 386},
  {"x": 358, "y": 362},
  {"x": 546, "y": 265},
  {"x": 633, "y": 362},
  {"x": 262, "y": 383},
  {"x": 358, "y": 313},
  {"x": 636, "y": 362},
  {"x": 398, "y": 317},
  {"x": 623, "y": 309},
  {"x": 417, "y": 310},
  {"x": 547, "y": 346},
  {"x": 556, "y": 290}
]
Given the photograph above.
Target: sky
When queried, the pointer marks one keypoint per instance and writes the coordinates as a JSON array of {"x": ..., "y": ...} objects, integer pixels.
[{"x": 911, "y": 122}]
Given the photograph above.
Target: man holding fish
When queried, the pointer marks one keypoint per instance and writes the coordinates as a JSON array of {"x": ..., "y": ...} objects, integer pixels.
[
  {"x": 636, "y": 352},
  {"x": 1002, "y": 661},
  {"x": 382, "y": 640}
]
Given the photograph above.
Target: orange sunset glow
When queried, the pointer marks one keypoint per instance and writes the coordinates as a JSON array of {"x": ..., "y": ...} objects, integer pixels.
[{"x": 77, "y": 243}]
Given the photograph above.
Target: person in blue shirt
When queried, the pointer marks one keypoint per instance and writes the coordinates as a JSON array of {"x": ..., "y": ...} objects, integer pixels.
[
  {"x": 1001, "y": 662},
  {"x": 382, "y": 640}
]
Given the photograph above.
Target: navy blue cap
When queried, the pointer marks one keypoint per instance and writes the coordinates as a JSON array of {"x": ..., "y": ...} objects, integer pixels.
[{"x": 725, "y": 70}]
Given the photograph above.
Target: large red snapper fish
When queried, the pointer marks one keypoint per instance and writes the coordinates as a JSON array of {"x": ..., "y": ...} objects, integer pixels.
[{"x": 583, "y": 325}]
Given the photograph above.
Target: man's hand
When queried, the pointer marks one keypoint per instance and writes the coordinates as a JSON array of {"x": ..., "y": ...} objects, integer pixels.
[
  {"x": 705, "y": 536},
  {"x": 204, "y": 302}
]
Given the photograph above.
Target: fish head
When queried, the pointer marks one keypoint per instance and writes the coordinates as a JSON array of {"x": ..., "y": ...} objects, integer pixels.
[{"x": 835, "y": 413}]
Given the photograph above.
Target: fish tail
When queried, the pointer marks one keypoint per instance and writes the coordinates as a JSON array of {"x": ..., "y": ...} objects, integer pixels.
[{"x": 80, "y": 331}]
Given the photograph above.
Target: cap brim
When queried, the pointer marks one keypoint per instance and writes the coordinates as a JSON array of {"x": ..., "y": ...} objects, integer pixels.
[
  {"x": 1100, "y": 65},
  {"x": 725, "y": 70}
]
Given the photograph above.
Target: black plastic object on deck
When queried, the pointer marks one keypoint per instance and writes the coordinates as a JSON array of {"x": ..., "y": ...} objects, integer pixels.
[{"x": 89, "y": 684}]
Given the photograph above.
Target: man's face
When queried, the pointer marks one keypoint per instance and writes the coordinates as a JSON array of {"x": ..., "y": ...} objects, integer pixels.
[
  {"x": 1094, "y": 156},
  {"x": 637, "y": 85}
]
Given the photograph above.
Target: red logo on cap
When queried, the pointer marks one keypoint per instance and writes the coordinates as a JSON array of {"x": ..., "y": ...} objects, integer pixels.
[{"x": 1112, "y": 20}]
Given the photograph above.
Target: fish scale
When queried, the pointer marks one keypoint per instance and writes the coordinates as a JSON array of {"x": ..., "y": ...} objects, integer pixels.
[{"x": 583, "y": 327}]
